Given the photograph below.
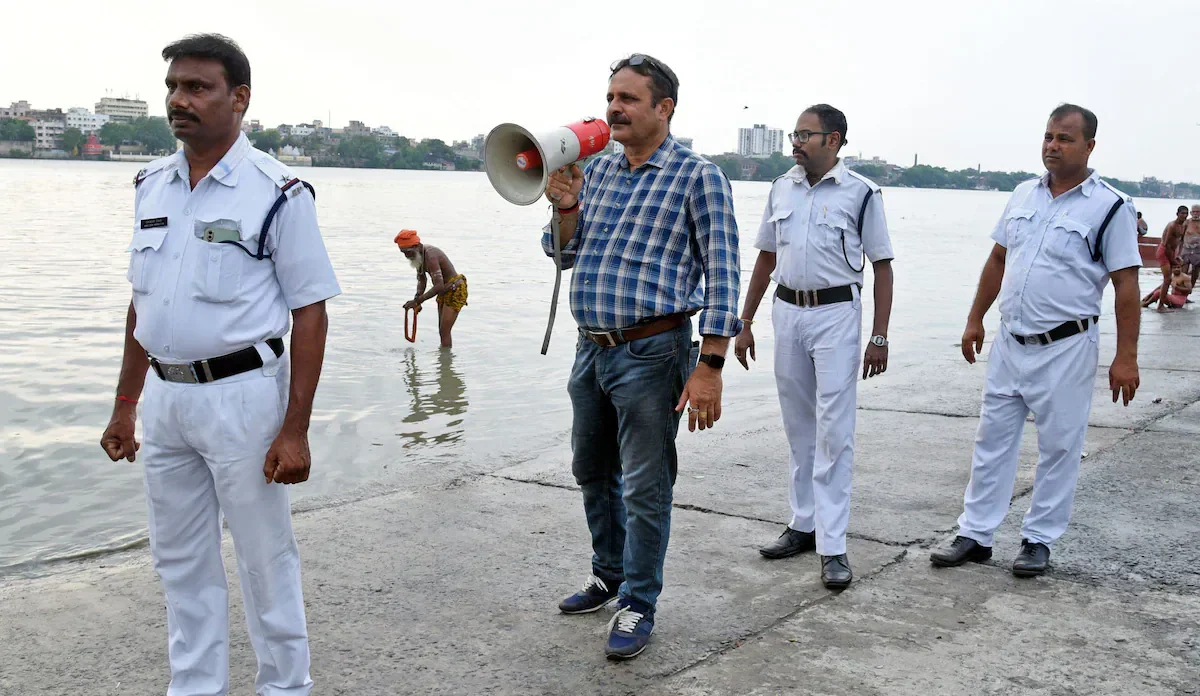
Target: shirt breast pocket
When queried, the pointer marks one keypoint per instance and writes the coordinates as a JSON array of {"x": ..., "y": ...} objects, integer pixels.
[
  {"x": 224, "y": 248},
  {"x": 145, "y": 267},
  {"x": 1070, "y": 240},
  {"x": 830, "y": 231},
  {"x": 779, "y": 220},
  {"x": 1018, "y": 223}
]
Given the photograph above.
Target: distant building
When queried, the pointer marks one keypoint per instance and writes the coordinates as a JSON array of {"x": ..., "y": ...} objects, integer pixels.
[
  {"x": 356, "y": 128},
  {"x": 478, "y": 142},
  {"x": 85, "y": 121},
  {"x": 383, "y": 133},
  {"x": 17, "y": 110},
  {"x": 122, "y": 110},
  {"x": 302, "y": 130},
  {"x": 759, "y": 141},
  {"x": 48, "y": 134},
  {"x": 617, "y": 148},
  {"x": 686, "y": 142}
]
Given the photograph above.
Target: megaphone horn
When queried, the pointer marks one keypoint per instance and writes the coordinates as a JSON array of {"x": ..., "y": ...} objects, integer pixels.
[{"x": 519, "y": 162}]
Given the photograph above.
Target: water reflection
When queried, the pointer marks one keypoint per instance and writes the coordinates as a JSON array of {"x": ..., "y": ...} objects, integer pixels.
[{"x": 438, "y": 400}]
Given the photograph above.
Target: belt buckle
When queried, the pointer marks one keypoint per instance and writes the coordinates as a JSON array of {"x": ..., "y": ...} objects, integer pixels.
[
  {"x": 811, "y": 297},
  {"x": 607, "y": 335},
  {"x": 180, "y": 373}
]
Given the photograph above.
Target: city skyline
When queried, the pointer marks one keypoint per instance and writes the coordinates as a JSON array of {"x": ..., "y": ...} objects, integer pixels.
[{"x": 959, "y": 83}]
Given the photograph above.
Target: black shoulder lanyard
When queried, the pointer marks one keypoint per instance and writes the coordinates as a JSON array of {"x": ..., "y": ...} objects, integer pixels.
[
  {"x": 862, "y": 214},
  {"x": 262, "y": 234},
  {"x": 1098, "y": 252}
]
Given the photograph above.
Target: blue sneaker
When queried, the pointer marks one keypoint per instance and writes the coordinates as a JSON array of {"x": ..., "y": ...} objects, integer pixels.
[
  {"x": 595, "y": 595},
  {"x": 630, "y": 633}
]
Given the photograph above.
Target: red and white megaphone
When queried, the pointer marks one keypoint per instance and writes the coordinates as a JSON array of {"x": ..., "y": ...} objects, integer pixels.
[{"x": 519, "y": 162}]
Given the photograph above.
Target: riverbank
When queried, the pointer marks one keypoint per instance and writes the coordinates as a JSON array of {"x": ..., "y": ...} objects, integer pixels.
[{"x": 447, "y": 583}]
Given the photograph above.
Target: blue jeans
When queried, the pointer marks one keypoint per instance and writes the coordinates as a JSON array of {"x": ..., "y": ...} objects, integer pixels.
[{"x": 623, "y": 444}]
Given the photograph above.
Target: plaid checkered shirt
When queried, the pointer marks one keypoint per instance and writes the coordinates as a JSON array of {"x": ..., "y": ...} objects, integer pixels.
[{"x": 646, "y": 236}]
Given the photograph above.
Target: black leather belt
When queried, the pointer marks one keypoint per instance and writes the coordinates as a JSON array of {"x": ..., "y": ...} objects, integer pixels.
[
  {"x": 815, "y": 298},
  {"x": 212, "y": 369},
  {"x": 1058, "y": 333}
]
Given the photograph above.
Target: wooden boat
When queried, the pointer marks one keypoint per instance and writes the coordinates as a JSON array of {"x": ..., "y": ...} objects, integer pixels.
[{"x": 1148, "y": 246}]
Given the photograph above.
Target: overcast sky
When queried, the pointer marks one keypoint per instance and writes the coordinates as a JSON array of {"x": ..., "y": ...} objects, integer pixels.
[{"x": 959, "y": 83}]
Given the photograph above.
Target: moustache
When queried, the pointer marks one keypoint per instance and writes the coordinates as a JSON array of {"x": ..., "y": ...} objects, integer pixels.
[
  {"x": 181, "y": 115},
  {"x": 614, "y": 120}
]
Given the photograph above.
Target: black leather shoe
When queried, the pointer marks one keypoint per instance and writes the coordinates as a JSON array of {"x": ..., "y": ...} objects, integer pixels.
[
  {"x": 960, "y": 551},
  {"x": 1033, "y": 559},
  {"x": 790, "y": 543},
  {"x": 835, "y": 571}
]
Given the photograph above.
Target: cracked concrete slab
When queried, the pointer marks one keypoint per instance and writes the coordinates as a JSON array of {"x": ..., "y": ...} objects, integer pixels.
[
  {"x": 443, "y": 592},
  {"x": 910, "y": 472},
  {"x": 974, "y": 630}
]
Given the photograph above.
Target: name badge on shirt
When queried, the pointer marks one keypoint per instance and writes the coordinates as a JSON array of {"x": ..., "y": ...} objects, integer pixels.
[{"x": 151, "y": 223}]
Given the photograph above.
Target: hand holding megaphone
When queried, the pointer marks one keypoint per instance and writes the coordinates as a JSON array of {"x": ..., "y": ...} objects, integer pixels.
[{"x": 563, "y": 186}]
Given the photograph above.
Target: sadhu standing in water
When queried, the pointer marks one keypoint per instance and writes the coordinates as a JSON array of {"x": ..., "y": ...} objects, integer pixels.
[{"x": 449, "y": 287}]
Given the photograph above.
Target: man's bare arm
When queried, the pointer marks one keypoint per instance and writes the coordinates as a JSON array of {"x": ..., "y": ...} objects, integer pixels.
[
  {"x": 990, "y": 281},
  {"x": 435, "y": 272},
  {"x": 118, "y": 439}
]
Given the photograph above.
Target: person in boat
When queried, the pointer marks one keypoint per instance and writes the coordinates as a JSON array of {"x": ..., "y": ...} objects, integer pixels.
[
  {"x": 1142, "y": 227},
  {"x": 449, "y": 286},
  {"x": 1176, "y": 297},
  {"x": 1167, "y": 255}
]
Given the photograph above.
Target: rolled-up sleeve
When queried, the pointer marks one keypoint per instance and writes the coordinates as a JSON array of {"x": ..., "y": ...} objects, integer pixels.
[
  {"x": 710, "y": 210},
  {"x": 302, "y": 264},
  {"x": 569, "y": 251}
]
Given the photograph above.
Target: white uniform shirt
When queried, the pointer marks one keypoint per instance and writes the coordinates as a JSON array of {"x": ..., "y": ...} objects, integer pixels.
[
  {"x": 805, "y": 227},
  {"x": 1049, "y": 275},
  {"x": 197, "y": 299}
]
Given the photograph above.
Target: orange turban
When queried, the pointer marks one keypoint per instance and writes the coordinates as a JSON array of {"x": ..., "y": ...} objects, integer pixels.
[{"x": 407, "y": 239}]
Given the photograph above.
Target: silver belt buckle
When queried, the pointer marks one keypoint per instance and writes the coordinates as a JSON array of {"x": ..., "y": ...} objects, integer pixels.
[
  {"x": 812, "y": 297},
  {"x": 607, "y": 335},
  {"x": 179, "y": 373}
]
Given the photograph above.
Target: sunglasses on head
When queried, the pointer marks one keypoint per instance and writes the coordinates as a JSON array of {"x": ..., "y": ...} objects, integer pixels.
[{"x": 639, "y": 59}]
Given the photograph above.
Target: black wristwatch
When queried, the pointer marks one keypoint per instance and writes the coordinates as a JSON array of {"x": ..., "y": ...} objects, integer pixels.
[{"x": 714, "y": 361}]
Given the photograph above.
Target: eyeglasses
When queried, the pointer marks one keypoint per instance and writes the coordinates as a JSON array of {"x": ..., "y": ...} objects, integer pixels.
[{"x": 801, "y": 137}]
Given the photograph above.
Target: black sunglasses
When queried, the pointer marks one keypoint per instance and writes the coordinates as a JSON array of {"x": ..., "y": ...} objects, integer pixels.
[{"x": 638, "y": 59}]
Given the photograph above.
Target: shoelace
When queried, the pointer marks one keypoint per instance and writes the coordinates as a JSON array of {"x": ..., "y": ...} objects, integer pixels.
[
  {"x": 625, "y": 620},
  {"x": 594, "y": 581}
]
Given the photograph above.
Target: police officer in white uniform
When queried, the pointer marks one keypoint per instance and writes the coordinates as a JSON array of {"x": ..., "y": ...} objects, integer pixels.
[
  {"x": 822, "y": 222},
  {"x": 1059, "y": 240},
  {"x": 225, "y": 408}
]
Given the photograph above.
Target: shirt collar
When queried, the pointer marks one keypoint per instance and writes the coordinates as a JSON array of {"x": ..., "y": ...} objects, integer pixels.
[
  {"x": 659, "y": 158},
  {"x": 1089, "y": 184},
  {"x": 800, "y": 176},
  {"x": 225, "y": 171}
]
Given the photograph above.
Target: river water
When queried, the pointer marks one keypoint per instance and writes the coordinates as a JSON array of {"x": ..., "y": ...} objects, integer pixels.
[{"x": 384, "y": 406}]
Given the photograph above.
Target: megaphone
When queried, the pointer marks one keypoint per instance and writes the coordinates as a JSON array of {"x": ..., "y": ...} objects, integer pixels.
[{"x": 519, "y": 162}]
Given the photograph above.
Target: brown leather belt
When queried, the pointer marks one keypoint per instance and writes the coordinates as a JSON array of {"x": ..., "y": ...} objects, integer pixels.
[{"x": 610, "y": 339}]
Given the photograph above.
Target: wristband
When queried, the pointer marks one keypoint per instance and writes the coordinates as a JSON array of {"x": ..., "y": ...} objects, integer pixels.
[
  {"x": 126, "y": 399},
  {"x": 567, "y": 211}
]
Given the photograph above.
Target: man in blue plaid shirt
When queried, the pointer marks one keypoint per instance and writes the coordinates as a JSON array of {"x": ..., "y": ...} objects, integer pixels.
[{"x": 640, "y": 230}]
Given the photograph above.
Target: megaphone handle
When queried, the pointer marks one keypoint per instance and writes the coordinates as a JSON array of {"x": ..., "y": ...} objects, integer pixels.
[{"x": 557, "y": 280}]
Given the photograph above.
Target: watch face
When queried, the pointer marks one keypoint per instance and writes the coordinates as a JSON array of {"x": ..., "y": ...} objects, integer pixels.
[{"x": 878, "y": 340}]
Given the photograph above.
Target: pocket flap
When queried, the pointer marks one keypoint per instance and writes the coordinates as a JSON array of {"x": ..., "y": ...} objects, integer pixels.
[
  {"x": 1073, "y": 225},
  {"x": 780, "y": 215},
  {"x": 147, "y": 239},
  {"x": 1022, "y": 213},
  {"x": 836, "y": 220}
]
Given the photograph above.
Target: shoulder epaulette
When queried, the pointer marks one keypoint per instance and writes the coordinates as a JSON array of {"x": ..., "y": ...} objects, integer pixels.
[
  {"x": 153, "y": 168},
  {"x": 870, "y": 184}
]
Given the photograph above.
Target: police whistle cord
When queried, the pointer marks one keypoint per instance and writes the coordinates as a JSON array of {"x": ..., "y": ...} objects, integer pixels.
[
  {"x": 557, "y": 277},
  {"x": 411, "y": 337}
]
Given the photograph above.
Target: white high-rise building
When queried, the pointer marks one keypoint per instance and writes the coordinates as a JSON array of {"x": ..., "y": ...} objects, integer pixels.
[
  {"x": 48, "y": 134},
  {"x": 85, "y": 121},
  {"x": 122, "y": 110},
  {"x": 760, "y": 141}
]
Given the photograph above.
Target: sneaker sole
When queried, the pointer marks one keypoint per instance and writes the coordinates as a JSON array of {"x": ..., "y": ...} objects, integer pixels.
[
  {"x": 970, "y": 559},
  {"x": 589, "y": 611},
  {"x": 617, "y": 658}
]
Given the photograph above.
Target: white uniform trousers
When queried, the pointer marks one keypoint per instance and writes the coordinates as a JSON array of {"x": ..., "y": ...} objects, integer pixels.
[
  {"x": 817, "y": 359},
  {"x": 203, "y": 451},
  {"x": 1055, "y": 382}
]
